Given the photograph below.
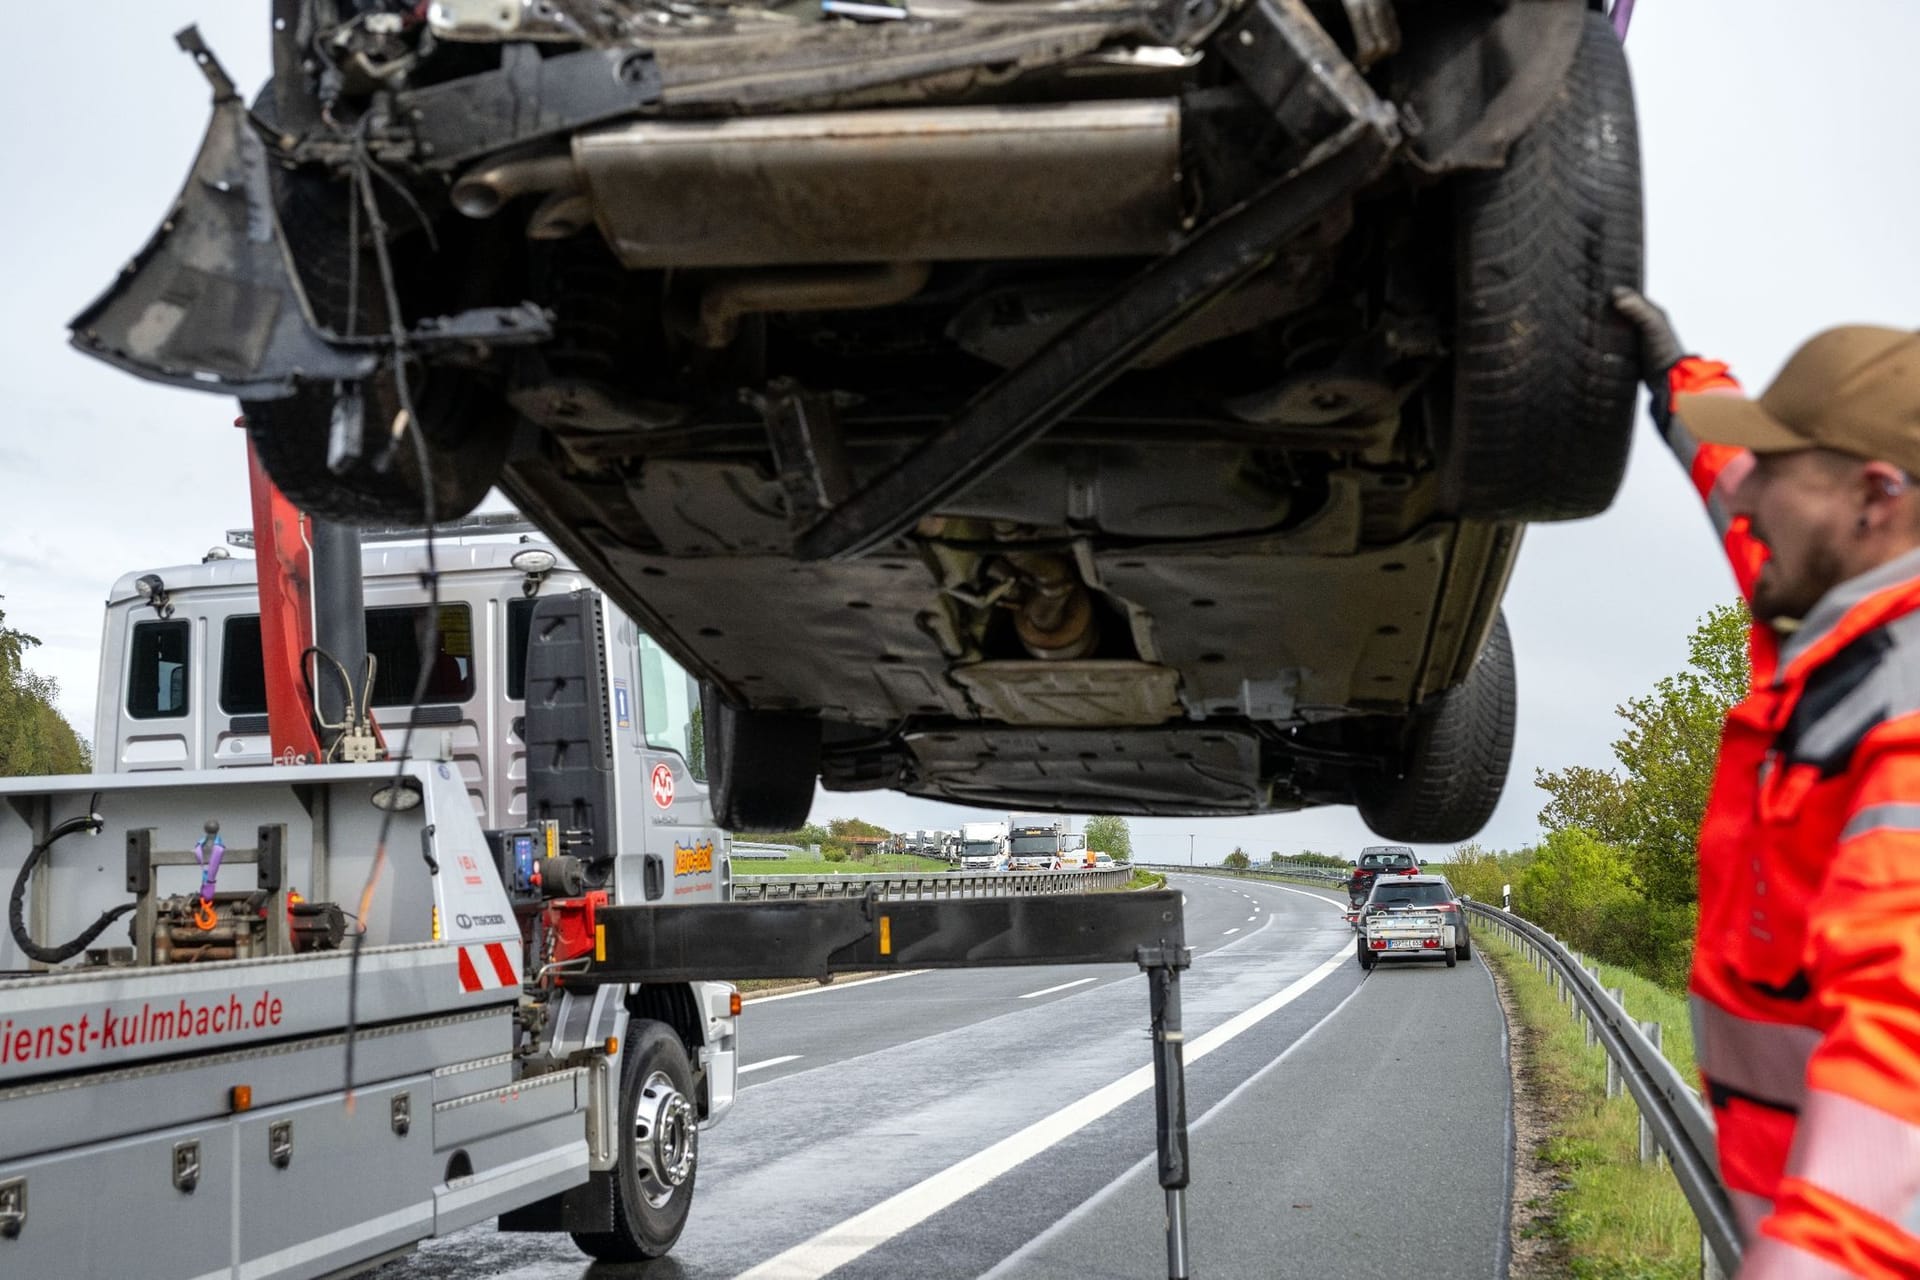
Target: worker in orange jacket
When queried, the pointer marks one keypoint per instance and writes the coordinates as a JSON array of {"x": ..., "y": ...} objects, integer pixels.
[{"x": 1805, "y": 987}]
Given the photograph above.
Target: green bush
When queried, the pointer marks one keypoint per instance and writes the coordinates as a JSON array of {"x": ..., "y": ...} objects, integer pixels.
[{"x": 833, "y": 853}]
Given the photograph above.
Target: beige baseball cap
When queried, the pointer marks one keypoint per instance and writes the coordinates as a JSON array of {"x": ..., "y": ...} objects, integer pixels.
[{"x": 1854, "y": 389}]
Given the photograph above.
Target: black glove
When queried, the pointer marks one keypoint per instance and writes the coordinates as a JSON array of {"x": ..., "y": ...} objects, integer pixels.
[{"x": 1660, "y": 347}]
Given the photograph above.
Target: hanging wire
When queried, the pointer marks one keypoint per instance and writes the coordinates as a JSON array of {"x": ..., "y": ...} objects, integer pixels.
[{"x": 406, "y": 423}]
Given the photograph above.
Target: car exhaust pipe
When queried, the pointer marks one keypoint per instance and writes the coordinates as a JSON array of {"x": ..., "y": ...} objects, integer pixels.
[{"x": 1076, "y": 180}]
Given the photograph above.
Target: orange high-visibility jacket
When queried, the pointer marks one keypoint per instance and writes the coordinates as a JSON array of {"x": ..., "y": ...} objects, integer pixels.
[{"x": 1806, "y": 971}]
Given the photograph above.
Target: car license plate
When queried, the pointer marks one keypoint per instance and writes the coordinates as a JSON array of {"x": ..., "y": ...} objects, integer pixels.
[{"x": 1404, "y": 944}]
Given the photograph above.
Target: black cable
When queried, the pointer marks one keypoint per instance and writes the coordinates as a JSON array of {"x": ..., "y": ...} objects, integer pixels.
[
  {"x": 17, "y": 904},
  {"x": 430, "y": 639}
]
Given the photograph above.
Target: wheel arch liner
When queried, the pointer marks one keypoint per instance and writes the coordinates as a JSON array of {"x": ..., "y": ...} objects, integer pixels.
[
  {"x": 212, "y": 302},
  {"x": 1472, "y": 79}
]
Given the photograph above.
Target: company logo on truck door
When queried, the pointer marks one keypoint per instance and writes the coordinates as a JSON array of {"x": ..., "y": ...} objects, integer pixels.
[{"x": 695, "y": 861}]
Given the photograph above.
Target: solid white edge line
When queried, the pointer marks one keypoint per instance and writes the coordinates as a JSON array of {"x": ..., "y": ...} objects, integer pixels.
[
  {"x": 1006, "y": 1265},
  {"x": 770, "y": 1062},
  {"x": 832, "y": 986},
  {"x": 1077, "y": 982},
  {"x": 866, "y": 1231}
]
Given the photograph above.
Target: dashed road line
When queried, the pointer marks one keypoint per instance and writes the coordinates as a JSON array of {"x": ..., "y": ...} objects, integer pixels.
[
  {"x": 770, "y": 1062},
  {"x": 1077, "y": 982}
]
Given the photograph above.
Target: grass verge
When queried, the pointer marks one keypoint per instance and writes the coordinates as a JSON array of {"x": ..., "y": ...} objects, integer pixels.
[
  {"x": 1610, "y": 1217},
  {"x": 1144, "y": 880}
]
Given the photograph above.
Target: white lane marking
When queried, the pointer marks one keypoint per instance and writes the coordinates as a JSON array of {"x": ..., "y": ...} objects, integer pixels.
[
  {"x": 1011, "y": 1262},
  {"x": 834, "y": 986},
  {"x": 770, "y": 1062},
  {"x": 864, "y": 1232},
  {"x": 1235, "y": 929},
  {"x": 1077, "y": 982},
  {"x": 1308, "y": 893}
]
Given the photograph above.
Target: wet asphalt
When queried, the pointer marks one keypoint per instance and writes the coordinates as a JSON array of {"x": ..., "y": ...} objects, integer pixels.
[{"x": 1362, "y": 1128}]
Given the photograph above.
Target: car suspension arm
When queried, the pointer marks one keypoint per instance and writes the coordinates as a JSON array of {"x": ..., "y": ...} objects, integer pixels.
[
  {"x": 1097, "y": 348},
  {"x": 815, "y": 938}
]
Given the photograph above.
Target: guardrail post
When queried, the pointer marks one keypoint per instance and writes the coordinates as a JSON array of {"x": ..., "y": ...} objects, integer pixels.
[
  {"x": 1709, "y": 1265},
  {"x": 1649, "y": 1149},
  {"x": 1619, "y": 996}
]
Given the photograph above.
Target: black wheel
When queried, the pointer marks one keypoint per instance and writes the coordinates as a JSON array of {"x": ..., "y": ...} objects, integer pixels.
[
  {"x": 1464, "y": 951},
  {"x": 660, "y": 1143},
  {"x": 1545, "y": 371},
  {"x": 1366, "y": 957},
  {"x": 1455, "y": 761},
  {"x": 761, "y": 765},
  {"x": 464, "y": 417},
  {"x": 467, "y": 433},
  {"x": 1451, "y": 961}
]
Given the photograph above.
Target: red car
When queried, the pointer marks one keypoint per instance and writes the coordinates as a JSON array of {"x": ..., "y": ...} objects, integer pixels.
[{"x": 1377, "y": 860}]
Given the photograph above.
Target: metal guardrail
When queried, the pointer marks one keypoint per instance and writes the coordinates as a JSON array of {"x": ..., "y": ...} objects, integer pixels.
[
  {"x": 1681, "y": 1127},
  {"x": 1258, "y": 873},
  {"x": 759, "y": 851},
  {"x": 1673, "y": 1120},
  {"x": 900, "y": 886}
]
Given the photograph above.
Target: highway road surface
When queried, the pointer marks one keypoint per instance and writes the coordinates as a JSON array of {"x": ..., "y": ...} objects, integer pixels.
[{"x": 999, "y": 1122}]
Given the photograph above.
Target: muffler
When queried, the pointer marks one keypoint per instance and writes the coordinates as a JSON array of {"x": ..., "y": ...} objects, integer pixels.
[{"x": 1079, "y": 180}]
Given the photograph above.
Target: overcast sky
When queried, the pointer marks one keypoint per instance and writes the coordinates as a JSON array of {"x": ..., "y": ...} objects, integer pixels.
[{"x": 1782, "y": 197}]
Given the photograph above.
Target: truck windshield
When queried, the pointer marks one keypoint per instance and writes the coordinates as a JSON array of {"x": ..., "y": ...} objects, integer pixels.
[
  {"x": 980, "y": 849},
  {"x": 393, "y": 638},
  {"x": 1030, "y": 844}
]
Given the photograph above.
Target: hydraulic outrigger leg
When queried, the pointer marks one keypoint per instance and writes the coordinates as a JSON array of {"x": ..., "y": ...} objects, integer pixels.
[{"x": 814, "y": 938}]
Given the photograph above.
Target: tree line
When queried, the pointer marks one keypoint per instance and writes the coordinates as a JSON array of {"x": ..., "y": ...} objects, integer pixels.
[
  {"x": 1615, "y": 872},
  {"x": 34, "y": 737}
]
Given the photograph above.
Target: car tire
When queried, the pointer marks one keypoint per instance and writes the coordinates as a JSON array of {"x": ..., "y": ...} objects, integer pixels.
[
  {"x": 659, "y": 1128},
  {"x": 1545, "y": 371},
  {"x": 761, "y": 765},
  {"x": 1451, "y": 961},
  {"x": 1367, "y": 960},
  {"x": 464, "y": 418},
  {"x": 1464, "y": 951},
  {"x": 1454, "y": 763}
]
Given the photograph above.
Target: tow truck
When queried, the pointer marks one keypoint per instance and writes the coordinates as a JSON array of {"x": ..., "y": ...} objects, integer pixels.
[{"x": 295, "y": 1019}]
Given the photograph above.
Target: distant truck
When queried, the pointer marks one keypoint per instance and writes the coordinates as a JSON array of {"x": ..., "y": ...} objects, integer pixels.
[
  {"x": 983, "y": 846},
  {"x": 1036, "y": 846}
]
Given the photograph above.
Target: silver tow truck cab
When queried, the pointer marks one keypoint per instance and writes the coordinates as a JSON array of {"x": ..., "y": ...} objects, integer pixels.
[{"x": 552, "y": 725}]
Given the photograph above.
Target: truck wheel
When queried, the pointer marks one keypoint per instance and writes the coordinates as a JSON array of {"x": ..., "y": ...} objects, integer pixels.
[
  {"x": 660, "y": 1141},
  {"x": 1454, "y": 763},
  {"x": 761, "y": 765},
  {"x": 1545, "y": 371}
]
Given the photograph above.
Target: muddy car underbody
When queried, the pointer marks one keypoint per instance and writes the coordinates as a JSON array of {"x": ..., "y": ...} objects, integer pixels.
[{"x": 1129, "y": 407}]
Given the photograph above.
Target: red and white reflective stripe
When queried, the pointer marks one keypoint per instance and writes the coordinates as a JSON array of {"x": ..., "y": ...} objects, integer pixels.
[
  {"x": 1859, "y": 1153},
  {"x": 1774, "y": 1259},
  {"x": 1748, "y": 1210},
  {"x": 487, "y": 966}
]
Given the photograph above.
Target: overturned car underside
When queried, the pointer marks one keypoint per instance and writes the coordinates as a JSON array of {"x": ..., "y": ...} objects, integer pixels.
[{"x": 1128, "y": 407}]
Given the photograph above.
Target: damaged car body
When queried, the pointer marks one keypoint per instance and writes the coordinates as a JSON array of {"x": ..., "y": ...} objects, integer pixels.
[{"x": 1128, "y": 406}]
